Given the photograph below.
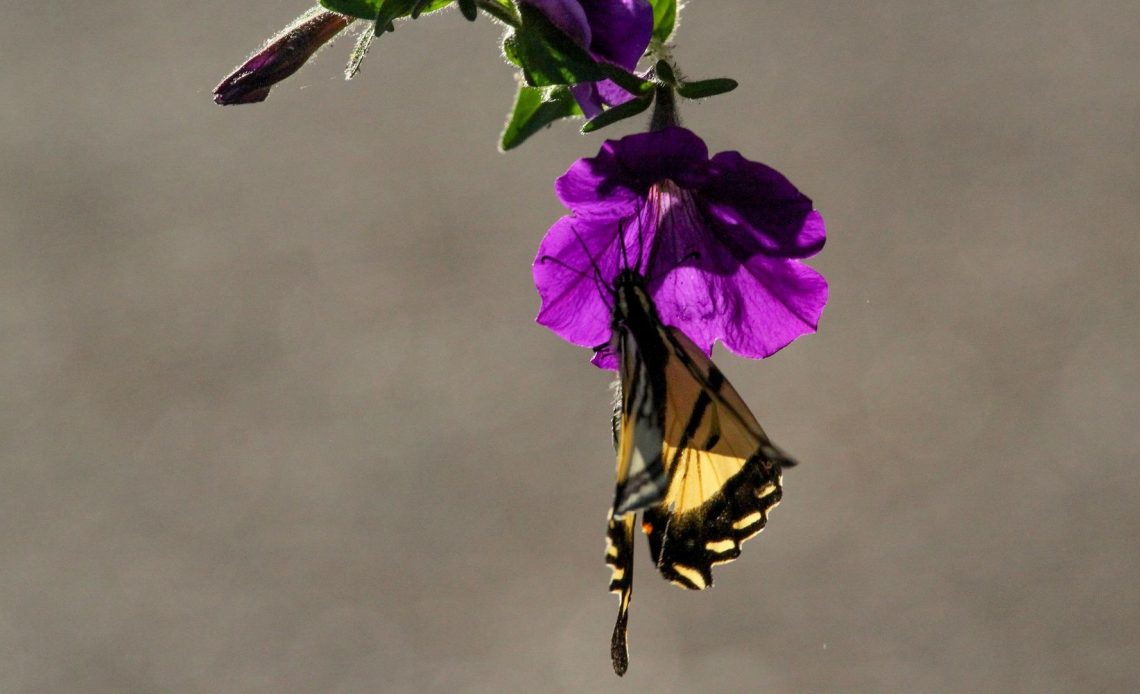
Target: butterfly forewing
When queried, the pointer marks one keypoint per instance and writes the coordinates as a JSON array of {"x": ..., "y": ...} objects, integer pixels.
[{"x": 641, "y": 478}]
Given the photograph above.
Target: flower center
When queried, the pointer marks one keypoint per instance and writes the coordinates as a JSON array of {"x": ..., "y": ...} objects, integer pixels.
[{"x": 673, "y": 216}]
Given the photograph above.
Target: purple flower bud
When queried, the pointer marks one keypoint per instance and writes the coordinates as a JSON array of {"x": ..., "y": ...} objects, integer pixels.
[
  {"x": 615, "y": 31},
  {"x": 281, "y": 56}
]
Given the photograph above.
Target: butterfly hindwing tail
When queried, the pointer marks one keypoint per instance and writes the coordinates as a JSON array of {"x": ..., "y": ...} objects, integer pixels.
[{"x": 619, "y": 556}]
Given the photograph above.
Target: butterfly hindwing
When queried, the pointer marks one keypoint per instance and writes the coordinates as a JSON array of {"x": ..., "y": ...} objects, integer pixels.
[
  {"x": 724, "y": 473},
  {"x": 619, "y": 556}
]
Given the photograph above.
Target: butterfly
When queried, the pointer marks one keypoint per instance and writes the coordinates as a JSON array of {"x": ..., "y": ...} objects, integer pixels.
[{"x": 691, "y": 457}]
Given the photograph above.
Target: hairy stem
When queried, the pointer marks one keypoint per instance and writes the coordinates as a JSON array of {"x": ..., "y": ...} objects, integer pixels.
[{"x": 664, "y": 109}]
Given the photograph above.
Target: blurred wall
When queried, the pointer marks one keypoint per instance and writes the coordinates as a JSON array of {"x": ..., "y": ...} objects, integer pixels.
[{"x": 274, "y": 415}]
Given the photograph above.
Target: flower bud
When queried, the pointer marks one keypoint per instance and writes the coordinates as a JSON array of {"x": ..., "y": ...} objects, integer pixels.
[{"x": 281, "y": 56}]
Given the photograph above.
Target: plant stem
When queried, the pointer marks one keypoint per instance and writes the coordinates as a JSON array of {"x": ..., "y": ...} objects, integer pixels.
[{"x": 664, "y": 109}]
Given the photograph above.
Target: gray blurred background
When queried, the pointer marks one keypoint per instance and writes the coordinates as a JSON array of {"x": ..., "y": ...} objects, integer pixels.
[{"x": 275, "y": 416}]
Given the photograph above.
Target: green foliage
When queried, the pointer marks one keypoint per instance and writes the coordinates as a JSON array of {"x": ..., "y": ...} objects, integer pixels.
[
  {"x": 549, "y": 59},
  {"x": 469, "y": 9},
  {"x": 547, "y": 56},
  {"x": 388, "y": 9},
  {"x": 610, "y": 116},
  {"x": 362, "y": 9},
  {"x": 359, "y": 51},
  {"x": 700, "y": 89},
  {"x": 705, "y": 88},
  {"x": 663, "y": 71},
  {"x": 536, "y": 108},
  {"x": 627, "y": 81},
  {"x": 664, "y": 18}
]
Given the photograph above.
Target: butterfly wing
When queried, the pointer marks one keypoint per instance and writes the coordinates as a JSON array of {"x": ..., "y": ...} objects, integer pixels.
[
  {"x": 639, "y": 429},
  {"x": 619, "y": 556},
  {"x": 639, "y": 432},
  {"x": 723, "y": 471},
  {"x": 689, "y": 453}
]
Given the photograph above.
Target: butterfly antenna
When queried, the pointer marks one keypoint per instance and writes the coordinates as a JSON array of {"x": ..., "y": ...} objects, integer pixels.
[
  {"x": 564, "y": 265},
  {"x": 599, "y": 279}
]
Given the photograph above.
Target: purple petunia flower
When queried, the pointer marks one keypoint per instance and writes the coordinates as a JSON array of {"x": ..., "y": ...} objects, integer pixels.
[
  {"x": 281, "y": 56},
  {"x": 716, "y": 239},
  {"x": 616, "y": 31}
]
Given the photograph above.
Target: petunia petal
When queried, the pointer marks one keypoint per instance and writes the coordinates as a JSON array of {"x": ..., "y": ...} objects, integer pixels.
[
  {"x": 621, "y": 29},
  {"x": 611, "y": 94},
  {"x": 675, "y": 154},
  {"x": 786, "y": 297},
  {"x": 702, "y": 286},
  {"x": 605, "y": 358},
  {"x": 592, "y": 96},
  {"x": 589, "y": 98},
  {"x": 617, "y": 180},
  {"x": 575, "y": 266},
  {"x": 569, "y": 16},
  {"x": 758, "y": 210},
  {"x": 599, "y": 186}
]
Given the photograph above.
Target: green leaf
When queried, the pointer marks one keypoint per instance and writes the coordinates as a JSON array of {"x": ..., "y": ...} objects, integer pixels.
[
  {"x": 548, "y": 56},
  {"x": 705, "y": 88},
  {"x": 511, "y": 49},
  {"x": 502, "y": 10},
  {"x": 361, "y": 9},
  {"x": 627, "y": 81},
  {"x": 371, "y": 9},
  {"x": 664, "y": 18},
  {"x": 535, "y": 108},
  {"x": 469, "y": 9},
  {"x": 359, "y": 51},
  {"x": 389, "y": 11},
  {"x": 664, "y": 72},
  {"x": 613, "y": 115}
]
